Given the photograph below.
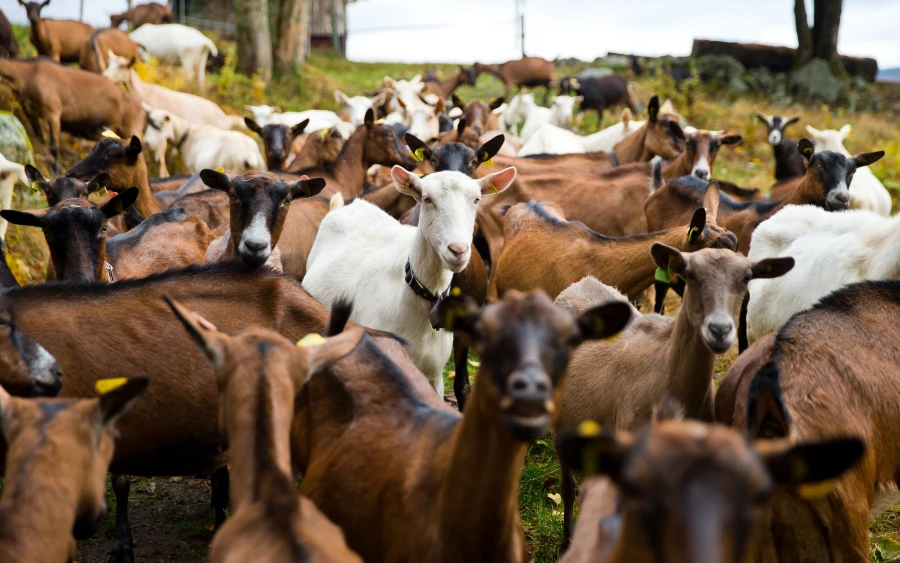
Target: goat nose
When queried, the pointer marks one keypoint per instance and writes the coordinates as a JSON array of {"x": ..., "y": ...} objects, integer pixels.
[
  {"x": 256, "y": 245},
  {"x": 458, "y": 249},
  {"x": 529, "y": 385},
  {"x": 720, "y": 330},
  {"x": 843, "y": 197},
  {"x": 703, "y": 174}
]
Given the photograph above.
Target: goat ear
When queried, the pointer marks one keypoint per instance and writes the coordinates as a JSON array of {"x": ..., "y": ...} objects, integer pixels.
[
  {"x": 457, "y": 101},
  {"x": 299, "y": 128},
  {"x": 845, "y": 131},
  {"x": 332, "y": 349},
  {"x": 806, "y": 149},
  {"x": 498, "y": 181},
  {"x": 496, "y": 103},
  {"x": 603, "y": 321},
  {"x": 653, "y": 109},
  {"x": 439, "y": 107},
  {"x": 595, "y": 451},
  {"x": 213, "y": 343},
  {"x": 407, "y": 182},
  {"x": 456, "y": 313},
  {"x": 369, "y": 119},
  {"x": 812, "y": 130},
  {"x": 867, "y": 158},
  {"x": 216, "y": 180},
  {"x": 378, "y": 99},
  {"x": 668, "y": 258},
  {"x": 26, "y": 218},
  {"x": 676, "y": 130},
  {"x": 117, "y": 204},
  {"x": 803, "y": 464},
  {"x": 460, "y": 127},
  {"x": 307, "y": 187},
  {"x": 698, "y": 220},
  {"x": 115, "y": 402},
  {"x": 340, "y": 97},
  {"x": 34, "y": 175},
  {"x": 710, "y": 205},
  {"x": 771, "y": 268},
  {"x": 764, "y": 118},
  {"x": 490, "y": 149},
  {"x": 730, "y": 139},
  {"x": 792, "y": 119},
  {"x": 253, "y": 125},
  {"x": 417, "y": 148},
  {"x": 133, "y": 149},
  {"x": 767, "y": 416}
]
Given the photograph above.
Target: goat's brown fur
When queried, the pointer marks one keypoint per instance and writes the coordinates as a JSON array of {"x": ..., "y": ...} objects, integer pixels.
[
  {"x": 150, "y": 12},
  {"x": 95, "y": 51},
  {"x": 527, "y": 71},
  {"x": 61, "y": 40}
]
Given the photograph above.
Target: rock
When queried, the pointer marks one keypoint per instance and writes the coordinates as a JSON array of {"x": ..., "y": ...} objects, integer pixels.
[
  {"x": 594, "y": 72},
  {"x": 815, "y": 81},
  {"x": 720, "y": 70},
  {"x": 14, "y": 142}
]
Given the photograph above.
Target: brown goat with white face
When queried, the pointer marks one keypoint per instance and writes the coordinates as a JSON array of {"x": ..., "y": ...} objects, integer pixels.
[
  {"x": 258, "y": 374},
  {"x": 28, "y": 368},
  {"x": 688, "y": 492},
  {"x": 58, "y": 453},
  {"x": 61, "y": 40}
]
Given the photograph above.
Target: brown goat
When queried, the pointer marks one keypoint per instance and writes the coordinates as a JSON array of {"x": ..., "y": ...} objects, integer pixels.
[
  {"x": 478, "y": 112},
  {"x": 95, "y": 51},
  {"x": 257, "y": 387},
  {"x": 570, "y": 251},
  {"x": 211, "y": 206},
  {"x": 319, "y": 149},
  {"x": 150, "y": 12},
  {"x": 410, "y": 477},
  {"x": 9, "y": 45},
  {"x": 828, "y": 372},
  {"x": 63, "y": 188},
  {"x": 57, "y": 455},
  {"x": 446, "y": 88},
  {"x": 527, "y": 71},
  {"x": 684, "y": 348},
  {"x": 661, "y": 135},
  {"x": 61, "y": 40},
  {"x": 277, "y": 139},
  {"x": 688, "y": 491},
  {"x": 54, "y": 93}
]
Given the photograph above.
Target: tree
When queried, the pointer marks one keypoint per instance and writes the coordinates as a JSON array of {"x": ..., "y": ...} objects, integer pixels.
[
  {"x": 254, "y": 38},
  {"x": 293, "y": 35},
  {"x": 820, "y": 41}
]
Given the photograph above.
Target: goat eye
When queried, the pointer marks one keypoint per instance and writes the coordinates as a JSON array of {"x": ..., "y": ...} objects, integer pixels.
[
  {"x": 103, "y": 229},
  {"x": 426, "y": 200},
  {"x": 477, "y": 200}
]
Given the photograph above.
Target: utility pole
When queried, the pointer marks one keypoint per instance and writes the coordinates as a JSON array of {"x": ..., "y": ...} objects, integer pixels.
[
  {"x": 81, "y": 12},
  {"x": 335, "y": 33},
  {"x": 520, "y": 23}
]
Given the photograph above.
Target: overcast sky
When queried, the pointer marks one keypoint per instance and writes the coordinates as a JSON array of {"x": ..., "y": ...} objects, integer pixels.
[{"x": 468, "y": 30}]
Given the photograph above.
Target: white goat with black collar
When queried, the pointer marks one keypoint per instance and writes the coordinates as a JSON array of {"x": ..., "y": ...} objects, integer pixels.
[{"x": 360, "y": 253}]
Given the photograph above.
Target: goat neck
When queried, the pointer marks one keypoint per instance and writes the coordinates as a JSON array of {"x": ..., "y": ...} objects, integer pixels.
[
  {"x": 427, "y": 265},
  {"x": 349, "y": 167},
  {"x": 691, "y": 362},
  {"x": 631, "y": 148},
  {"x": 15, "y": 72}
]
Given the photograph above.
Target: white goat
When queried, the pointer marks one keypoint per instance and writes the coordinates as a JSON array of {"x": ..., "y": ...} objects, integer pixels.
[
  {"x": 423, "y": 120},
  {"x": 186, "y": 106},
  {"x": 866, "y": 192},
  {"x": 201, "y": 146},
  {"x": 10, "y": 172},
  {"x": 550, "y": 139},
  {"x": 406, "y": 90},
  {"x": 559, "y": 113},
  {"x": 318, "y": 119},
  {"x": 830, "y": 250},
  {"x": 361, "y": 253},
  {"x": 172, "y": 42},
  {"x": 359, "y": 105}
]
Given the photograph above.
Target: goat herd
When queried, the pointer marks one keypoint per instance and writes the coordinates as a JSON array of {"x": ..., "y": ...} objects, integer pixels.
[{"x": 250, "y": 325}]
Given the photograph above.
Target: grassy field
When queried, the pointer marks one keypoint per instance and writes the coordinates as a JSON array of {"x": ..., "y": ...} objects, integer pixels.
[{"x": 171, "y": 518}]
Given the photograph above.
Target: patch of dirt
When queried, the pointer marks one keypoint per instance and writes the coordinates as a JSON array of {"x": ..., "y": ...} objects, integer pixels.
[{"x": 171, "y": 521}]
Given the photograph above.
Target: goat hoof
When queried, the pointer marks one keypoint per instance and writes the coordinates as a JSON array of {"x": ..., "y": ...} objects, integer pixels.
[{"x": 121, "y": 555}]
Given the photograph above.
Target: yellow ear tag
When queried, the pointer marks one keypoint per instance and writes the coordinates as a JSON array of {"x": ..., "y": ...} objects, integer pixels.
[
  {"x": 494, "y": 188},
  {"x": 588, "y": 428},
  {"x": 311, "y": 339},
  {"x": 110, "y": 135},
  {"x": 104, "y": 386},
  {"x": 324, "y": 133},
  {"x": 489, "y": 162},
  {"x": 418, "y": 154},
  {"x": 662, "y": 276},
  {"x": 692, "y": 233},
  {"x": 35, "y": 186},
  {"x": 220, "y": 170},
  {"x": 379, "y": 122},
  {"x": 456, "y": 292},
  {"x": 815, "y": 490},
  {"x": 99, "y": 196}
]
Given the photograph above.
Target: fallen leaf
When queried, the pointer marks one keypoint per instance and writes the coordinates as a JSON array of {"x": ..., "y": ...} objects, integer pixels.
[
  {"x": 555, "y": 497},
  {"x": 888, "y": 549},
  {"x": 473, "y": 363}
]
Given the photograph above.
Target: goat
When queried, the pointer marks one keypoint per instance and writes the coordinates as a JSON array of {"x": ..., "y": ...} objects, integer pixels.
[
  {"x": 124, "y": 162},
  {"x": 270, "y": 522},
  {"x": 48, "y": 92},
  {"x": 103, "y": 45},
  {"x": 447, "y": 87},
  {"x": 527, "y": 71},
  {"x": 186, "y": 106},
  {"x": 851, "y": 246},
  {"x": 8, "y": 42},
  {"x": 662, "y": 135},
  {"x": 687, "y": 491},
  {"x": 260, "y": 204},
  {"x": 552, "y": 139},
  {"x": 622, "y": 262},
  {"x": 61, "y": 40},
  {"x": 58, "y": 452},
  {"x": 788, "y": 162},
  {"x": 360, "y": 247},
  {"x": 524, "y": 342},
  {"x": 829, "y": 371},
  {"x": 277, "y": 139},
  {"x": 866, "y": 191},
  {"x": 601, "y": 92},
  {"x": 151, "y": 12},
  {"x": 10, "y": 174},
  {"x": 685, "y": 347},
  {"x": 201, "y": 146},
  {"x": 183, "y": 439},
  {"x": 317, "y": 150},
  {"x": 359, "y": 105},
  {"x": 172, "y": 42},
  {"x": 407, "y": 91},
  {"x": 559, "y": 113},
  {"x": 211, "y": 206},
  {"x": 423, "y": 119}
]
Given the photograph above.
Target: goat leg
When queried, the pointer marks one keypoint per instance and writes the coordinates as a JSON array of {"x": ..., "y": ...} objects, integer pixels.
[
  {"x": 460, "y": 357},
  {"x": 662, "y": 288},
  {"x": 743, "y": 341},
  {"x": 219, "y": 482},
  {"x": 123, "y": 544},
  {"x": 568, "y": 494}
]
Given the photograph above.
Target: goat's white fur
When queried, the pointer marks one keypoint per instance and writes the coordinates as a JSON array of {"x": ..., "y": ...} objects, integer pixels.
[
  {"x": 550, "y": 139},
  {"x": 559, "y": 113},
  {"x": 10, "y": 173},
  {"x": 318, "y": 119},
  {"x": 359, "y": 105},
  {"x": 173, "y": 42}
]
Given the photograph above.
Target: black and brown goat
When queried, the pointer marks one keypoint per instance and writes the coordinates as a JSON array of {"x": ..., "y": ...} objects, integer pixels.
[
  {"x": 61, "y": 40},
  {"x": 788, "y": 161},
  {"x": 28, "y": 368},
  {"x": 278, "y": 139}
]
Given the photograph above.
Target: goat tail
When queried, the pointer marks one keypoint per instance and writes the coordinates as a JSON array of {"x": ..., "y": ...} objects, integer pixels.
[
  {"x": 96, "y": 51},
  {"x": 340, "y": 316},
  {"x": 211, "y": 47},
  {"x": 656, "y": 177},
  {"x": 336, "y": 202}
]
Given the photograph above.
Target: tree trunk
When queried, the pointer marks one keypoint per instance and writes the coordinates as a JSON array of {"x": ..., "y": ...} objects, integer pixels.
[
  {"x": 827, "y": 21},
  {"x": 292, "y": 37},
  {"x": 254, "y": 39},
  {"x": 804, "y": 35}
]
